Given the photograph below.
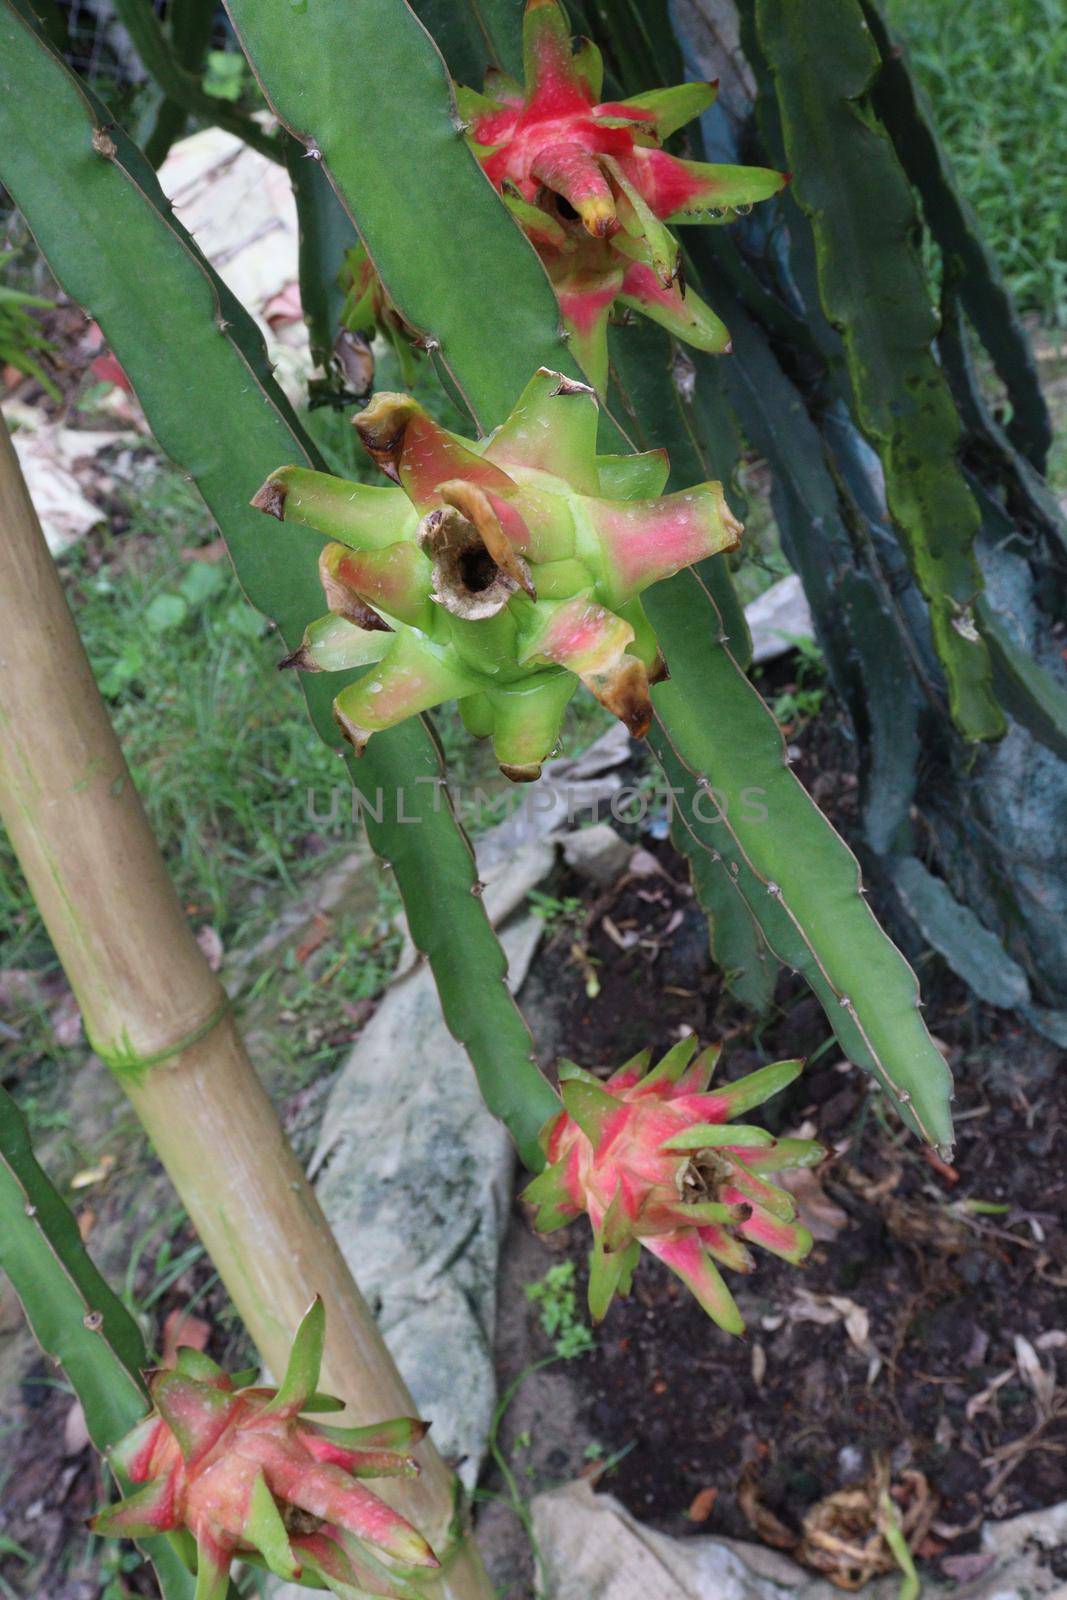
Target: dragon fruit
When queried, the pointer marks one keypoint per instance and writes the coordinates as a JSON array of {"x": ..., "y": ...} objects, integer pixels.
[
  {"x": 594, "y": 191},
  {"x": 498, "y": 573},
  {"x": 248, "y": 1476},
  {"x": 653, "y": 1159}
]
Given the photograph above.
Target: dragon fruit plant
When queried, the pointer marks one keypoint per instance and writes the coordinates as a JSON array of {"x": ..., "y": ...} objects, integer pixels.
[
  {"x": 498, "y": 573},
  {"x": 653, "y": 1159},
  {"x": 247, "y": 1476},
  {"x": 596, "y": 194}
]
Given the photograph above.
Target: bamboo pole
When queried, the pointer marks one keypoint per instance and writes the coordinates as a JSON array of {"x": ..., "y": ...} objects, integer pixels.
[{"x": 156, "y": 1012}]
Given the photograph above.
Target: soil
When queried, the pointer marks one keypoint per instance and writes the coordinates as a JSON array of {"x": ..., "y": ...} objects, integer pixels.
[{"x": 743, "y": 1437}]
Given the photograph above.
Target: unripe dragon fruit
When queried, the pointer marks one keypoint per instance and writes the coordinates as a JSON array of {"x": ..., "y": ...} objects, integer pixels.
[
  {"x": 594, "y": 191},
  {"x": 653, "y": 1159},
  {"x": 498, "y": 573},
  {"x": 249, "y": 1477}
]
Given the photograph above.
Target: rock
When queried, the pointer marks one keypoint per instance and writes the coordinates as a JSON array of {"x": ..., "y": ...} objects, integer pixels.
[
  {"x": 597, "y": 853},
  {"x": 594, "y": 1550},
  {"x": 778, "y": 617},
  {"x": 415, "y": 1178}
]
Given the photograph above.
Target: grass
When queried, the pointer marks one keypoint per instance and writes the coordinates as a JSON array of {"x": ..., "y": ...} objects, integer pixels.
[
  {"x": 996, "y": 74},
  {"x": 223, "y": 756},
  {"x": 218, "y": 741},
  {"x": 556, "y": 1299}
]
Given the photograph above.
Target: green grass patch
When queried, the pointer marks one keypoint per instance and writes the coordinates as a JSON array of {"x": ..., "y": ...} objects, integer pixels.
[{"x": 996, "y": 75}]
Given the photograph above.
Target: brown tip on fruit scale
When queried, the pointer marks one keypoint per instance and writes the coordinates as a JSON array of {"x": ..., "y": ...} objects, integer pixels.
[
  {"x": 356, "y": 736},
  {"x": 568, "y": 386},
  {"x": 271, "y": 499},
  {"x": 301, "y": 660}
]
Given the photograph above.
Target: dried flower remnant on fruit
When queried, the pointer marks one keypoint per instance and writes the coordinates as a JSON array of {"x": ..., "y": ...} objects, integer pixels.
[
  {"x": 499, "y": 573},
  {"x": 653, "y": 1159},
  {"x": 250, "y": 1478}
]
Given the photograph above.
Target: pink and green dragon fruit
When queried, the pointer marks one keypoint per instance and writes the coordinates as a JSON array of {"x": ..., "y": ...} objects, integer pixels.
[
  {"x": 243, "y": 1472},
  {"x": 654, "y": 1159},
  {"x": 595, "y": 192},
  {"x": 499, "y": 573}
]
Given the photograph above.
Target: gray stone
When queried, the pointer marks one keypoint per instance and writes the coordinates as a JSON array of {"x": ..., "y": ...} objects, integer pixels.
[
  {"x": 597, "y": 853},
  {"x": 415, "y": 1178},
  {"x": 778, "y": 618}
]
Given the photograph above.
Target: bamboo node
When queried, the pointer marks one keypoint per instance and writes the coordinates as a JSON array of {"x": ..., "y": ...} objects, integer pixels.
[{"x": 126, "y": 1063}]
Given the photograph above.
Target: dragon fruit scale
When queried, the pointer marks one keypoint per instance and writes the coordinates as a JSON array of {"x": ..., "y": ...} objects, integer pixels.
[
  {"x": 653, "y": 1159},
  {"x": 243, "y": 1472},
  {"x": 498, "y": 573},
  {"x": 595, "y": 192}
]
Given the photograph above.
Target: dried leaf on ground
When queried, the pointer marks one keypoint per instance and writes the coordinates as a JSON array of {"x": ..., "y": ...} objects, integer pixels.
[
  {"x": 182, "y": 1329},
  {"x": 66, "y": 1020},
  {"x": 831, "y": 1308},
  {"x": 316, "y": 935},
  {"x": 1039, "y": 1379},
  {"x": 815, "y": 1210},
  {"x": 210, "y": 943},
  {"x": 844, "y": 1535},
  {"x": 767, "y": 1527},
  {"x": 88, "y": 1176},
  {"x": 700, "y": 1507}
]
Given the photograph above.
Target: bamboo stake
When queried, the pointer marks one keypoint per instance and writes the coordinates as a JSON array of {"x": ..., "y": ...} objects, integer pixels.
[{"x": 157, "y": 1013}]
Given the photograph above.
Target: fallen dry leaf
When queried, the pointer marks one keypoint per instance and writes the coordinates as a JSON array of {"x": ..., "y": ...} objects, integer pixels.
[
  {"x": 182, "y": 1329},
  {"x": 210, "y": 943},
  {"x": 815, "y": 1210},
  {"x": 90, "y": 1175},
  {"x": 700, "y": 1506},
  {"x": 1040, "y": 1380},
  {"x": 844, "y": 1535},
  {"x": 75, "y": 1431},
  {"x": 966, "y": 1568},
  {"x": 831, "y": 1308},
  {"x": 768, "y": 1528},
  {"x": 316, "y": 935}
]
